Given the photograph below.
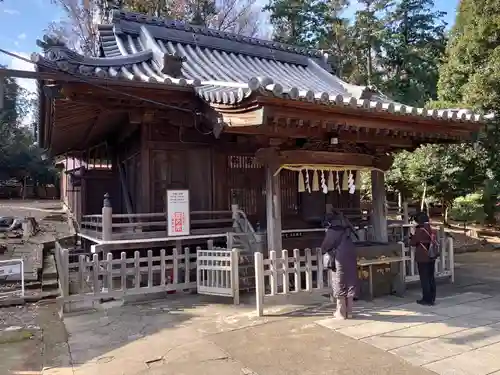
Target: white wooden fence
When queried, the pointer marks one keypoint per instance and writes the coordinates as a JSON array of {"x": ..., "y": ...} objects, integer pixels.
[
  {"x": 445, "y": 264},
  {"x": 279, "y": 268},
  {"x": 89, "y": 279},
  {"x": 217, "y": 273}
]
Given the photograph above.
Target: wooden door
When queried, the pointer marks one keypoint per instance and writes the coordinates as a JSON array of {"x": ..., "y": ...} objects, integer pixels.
[{"x": 169, "y": 169}]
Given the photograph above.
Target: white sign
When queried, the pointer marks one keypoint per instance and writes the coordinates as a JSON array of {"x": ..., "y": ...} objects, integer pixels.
[
  {"x": 178, "y": 212},
  {"x": 10, "y": 269}
]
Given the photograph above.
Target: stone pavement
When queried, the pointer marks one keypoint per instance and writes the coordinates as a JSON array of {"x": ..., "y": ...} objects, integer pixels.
[
  {"x": 460, "y": 335},
  {"x": 193, "y": 335},
  {"x": 198, "y": 335}
]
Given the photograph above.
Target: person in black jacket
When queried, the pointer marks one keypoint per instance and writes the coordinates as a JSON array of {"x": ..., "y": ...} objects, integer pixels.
[{"x": 341, "y": 255}]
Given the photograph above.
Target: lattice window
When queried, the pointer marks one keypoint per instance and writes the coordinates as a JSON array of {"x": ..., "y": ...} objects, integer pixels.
[
  {"x": 246, "y": 182},
  {"x": 289, "y": 193}
]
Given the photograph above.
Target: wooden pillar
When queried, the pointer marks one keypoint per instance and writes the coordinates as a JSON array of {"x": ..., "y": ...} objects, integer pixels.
[
  {"x": 273, "y": 209},
  {"x": 145, "y": 175},
  {"x": 379, "y": 217}
]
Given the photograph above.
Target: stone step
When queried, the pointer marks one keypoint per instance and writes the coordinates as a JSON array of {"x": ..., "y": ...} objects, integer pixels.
[
  {"x": 50, "y": 294},
  {"x": 32, "y": 285},
  {"x": 50, "y": 273},
  {"x": 50, "y": 284}
]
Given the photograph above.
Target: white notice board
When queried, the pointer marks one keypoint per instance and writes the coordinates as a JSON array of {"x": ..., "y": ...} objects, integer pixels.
[
  {"x": 10, "y": 269},
  {"x": 178, "y": 212}
]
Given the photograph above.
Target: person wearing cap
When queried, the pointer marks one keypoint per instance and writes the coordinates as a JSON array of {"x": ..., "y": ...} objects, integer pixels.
[
  {"x": 421, "y": 240},
  {"x": 340, "y": 256}
]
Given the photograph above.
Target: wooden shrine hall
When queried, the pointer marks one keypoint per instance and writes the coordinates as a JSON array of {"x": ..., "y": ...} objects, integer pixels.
[{"x": 235, "y": 120}]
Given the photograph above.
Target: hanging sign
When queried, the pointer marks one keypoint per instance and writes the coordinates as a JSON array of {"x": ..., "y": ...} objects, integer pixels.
[{"x": 178, "y": 212}]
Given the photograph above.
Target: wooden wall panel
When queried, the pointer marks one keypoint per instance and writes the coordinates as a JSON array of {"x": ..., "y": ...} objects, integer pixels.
[
  {"x": 182, "y": 169},
  {"x": 169, "y": 170},
  {"x": 221, "y": 198},
  {"x": 200, "y": 179},
  {"x": 95, "y": 184}
]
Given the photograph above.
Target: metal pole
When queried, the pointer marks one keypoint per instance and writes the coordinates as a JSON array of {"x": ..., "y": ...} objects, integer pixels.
[{"x": 22, "y": 278}]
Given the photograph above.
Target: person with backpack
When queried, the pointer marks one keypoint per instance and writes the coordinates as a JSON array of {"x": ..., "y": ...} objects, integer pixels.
[
  {"x": 339, "y": 255},
  {"x": 426, "y": 252}
]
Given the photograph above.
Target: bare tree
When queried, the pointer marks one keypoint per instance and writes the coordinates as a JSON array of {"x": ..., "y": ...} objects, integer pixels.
[
  {"x": 239, "y": 17},
  {"x": 78, "y": 29}
]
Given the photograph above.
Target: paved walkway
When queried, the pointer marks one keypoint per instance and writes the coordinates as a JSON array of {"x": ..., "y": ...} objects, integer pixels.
[
  {"x": 204, "y": 336},
  {"x": 460, "y": 335},
  {"x": 189, "y": 336}
]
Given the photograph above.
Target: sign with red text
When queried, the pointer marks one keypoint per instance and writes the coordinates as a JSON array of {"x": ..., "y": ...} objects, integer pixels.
[{"x": 178, "y": 212}]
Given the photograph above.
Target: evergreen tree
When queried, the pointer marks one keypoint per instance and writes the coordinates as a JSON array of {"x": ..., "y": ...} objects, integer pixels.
[
  {"x": 470, "y": 74},
  {"x": 20, "y": 157},
  {"x": 303, "y": 22},
  {"x": 414, "y": 43},
  {"x": 367, "y": 39},
  {"x": 471, "y": 78}
]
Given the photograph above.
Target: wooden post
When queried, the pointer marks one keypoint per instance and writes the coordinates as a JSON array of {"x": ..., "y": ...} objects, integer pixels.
[
  {"x": 145, "y": 201},
  {"x": 273, "y": 209},
  {"x": 235, "y": 282},
  {"x": 259, "y": 283},
  {"x": 451, "y": 258},
  {"x": 442, "y": 248},
  {"x": 107, "y": 219},
  {"x": 379, "y": 217},
  {"x": 234, "y": 210}
]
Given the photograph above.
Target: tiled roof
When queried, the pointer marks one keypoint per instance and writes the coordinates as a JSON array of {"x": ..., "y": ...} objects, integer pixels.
[{"x": 222, "y": 68}]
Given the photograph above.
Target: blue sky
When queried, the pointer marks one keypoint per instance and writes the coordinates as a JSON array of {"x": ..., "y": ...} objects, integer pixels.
[{"x": 23, "y": 21}]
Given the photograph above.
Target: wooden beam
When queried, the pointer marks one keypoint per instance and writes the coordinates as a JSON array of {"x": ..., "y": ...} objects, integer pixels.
[
  {"x": 368, "y": 120},
  {"x": 274, "y": 157},
  {"x": 307, "y": 132}
]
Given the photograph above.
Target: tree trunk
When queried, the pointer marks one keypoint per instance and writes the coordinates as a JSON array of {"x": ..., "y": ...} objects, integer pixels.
[
  {"x": 445, "y": 214},
  {"x": 423, "y": 197},
  {"x": 35, "y": 189},
  {"x": 369, "y": 67},
  {"x": 23, "y": 195}
]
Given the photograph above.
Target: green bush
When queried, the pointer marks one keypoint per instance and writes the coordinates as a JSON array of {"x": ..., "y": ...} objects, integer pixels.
[{"x": 468, "y": 209}]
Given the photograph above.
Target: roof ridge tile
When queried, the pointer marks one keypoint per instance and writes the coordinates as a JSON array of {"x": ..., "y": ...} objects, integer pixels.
[{"x": 118, "y": 15}]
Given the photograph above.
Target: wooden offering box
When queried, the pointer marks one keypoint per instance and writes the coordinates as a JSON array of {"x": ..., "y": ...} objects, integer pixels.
[{"x": 386, "y": 277}]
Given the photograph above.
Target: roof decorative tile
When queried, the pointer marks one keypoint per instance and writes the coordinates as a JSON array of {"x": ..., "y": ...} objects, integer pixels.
[
  {"x": 118, "y": 16},
  {"x": 222, "y": 68}
]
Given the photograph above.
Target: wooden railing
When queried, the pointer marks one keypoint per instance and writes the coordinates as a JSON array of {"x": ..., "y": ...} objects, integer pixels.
[{"x": 110, "y": 226}]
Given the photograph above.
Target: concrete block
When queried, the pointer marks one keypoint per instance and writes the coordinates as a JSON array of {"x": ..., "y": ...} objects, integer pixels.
[
  {"x": 449, "y": 345},
  {"x": 395, "y": 323},
  {"x": 456, "y": 310},
  {"x": 423, "y": 332},
  {"x": 429, "y": 351},
  {"x": 457, "y": 299},
  {"x": 478, "y": 362}
]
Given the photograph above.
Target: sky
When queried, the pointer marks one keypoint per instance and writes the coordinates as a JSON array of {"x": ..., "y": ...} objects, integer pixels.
[{"x": 22, "y": 22}]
